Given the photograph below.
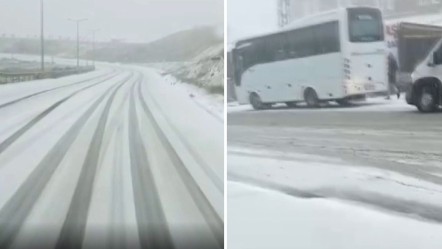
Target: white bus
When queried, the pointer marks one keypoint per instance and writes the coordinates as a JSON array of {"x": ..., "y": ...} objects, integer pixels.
[{"x": 334, "y": 56}]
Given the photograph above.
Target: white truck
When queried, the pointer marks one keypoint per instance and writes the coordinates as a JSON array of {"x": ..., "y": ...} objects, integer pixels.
[
  {"x": 426, "y": 90},
  {"x": 408, "y": 44}
]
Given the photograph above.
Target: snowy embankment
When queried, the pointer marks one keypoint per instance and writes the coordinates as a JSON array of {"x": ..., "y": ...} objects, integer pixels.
[
  {"x": 193, "y": 121},
  {"x": 213, "y": 104},
  {"x": 316, "y": 202},
  {"x": 115, "y": 149},
  {"x": 205, "y": 71},
  {"x": 200, "y": 81}
]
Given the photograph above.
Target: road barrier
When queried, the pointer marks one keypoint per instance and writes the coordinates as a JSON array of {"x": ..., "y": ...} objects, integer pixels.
[{"x": 13, "y": 77}]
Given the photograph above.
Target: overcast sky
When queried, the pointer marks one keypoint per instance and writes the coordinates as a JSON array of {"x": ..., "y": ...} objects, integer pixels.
[
  {"x": 250, "y": 17},
  {"x": 133, "y": 20}
]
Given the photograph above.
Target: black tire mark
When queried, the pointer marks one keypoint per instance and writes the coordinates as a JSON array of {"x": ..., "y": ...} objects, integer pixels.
[
  {"x": 17, "y": 209},
  {"x": 219, "y": 183},
  {"x": 412, "y": 209},
  {"x": 218, "y": 118},
  {"x": 72, "y": 232},
  {"x": 214, "y": 221},
  {"x": 117, "y": 232},
  {"x": 14, "y": 137},
  {"x": 152, "y": 224},
  {"x": 52, "y": 89}
]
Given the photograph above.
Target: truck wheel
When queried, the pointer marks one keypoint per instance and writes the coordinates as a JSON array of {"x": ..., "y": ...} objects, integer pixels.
[
  {"x": 311, "y": 98},
  {"x": 427, "y": 100},
  {"x": 256, "y": 102}
]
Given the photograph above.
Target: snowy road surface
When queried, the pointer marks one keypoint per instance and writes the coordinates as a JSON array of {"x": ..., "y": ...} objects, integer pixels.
[
  {"x": 279, "y": 221},
  {"x": 382, "y": 156},
  {"x": 387, "y": 135},
  {"x": 117, "y": 158}
]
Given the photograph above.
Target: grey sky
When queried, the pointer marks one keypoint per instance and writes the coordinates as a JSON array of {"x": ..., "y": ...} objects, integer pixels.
[
  {"x": 250, "y": 17},
  {"x": 133, "y": 20}
]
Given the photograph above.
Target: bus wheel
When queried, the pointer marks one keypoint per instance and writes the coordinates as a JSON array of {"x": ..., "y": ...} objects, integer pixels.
[
  {"x": 427, "y": 99},
  {"x": 311, "y": 98},
  {"x": 256, "y": 102}
]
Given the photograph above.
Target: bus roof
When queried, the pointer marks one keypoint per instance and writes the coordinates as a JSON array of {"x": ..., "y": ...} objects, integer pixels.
[{"x": 303, "y": 22}]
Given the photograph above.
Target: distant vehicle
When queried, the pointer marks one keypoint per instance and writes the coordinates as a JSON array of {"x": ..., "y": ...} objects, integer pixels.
[
  {"x": 409, "y": 43},
  {"x": 335, "y": 56},
  {"x": 426, "y": 91}
]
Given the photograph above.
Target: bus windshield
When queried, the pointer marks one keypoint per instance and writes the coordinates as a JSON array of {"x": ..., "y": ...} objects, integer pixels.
[{"x": 365, "y": 25}]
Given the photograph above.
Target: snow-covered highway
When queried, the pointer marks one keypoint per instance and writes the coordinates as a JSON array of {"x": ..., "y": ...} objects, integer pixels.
[
  {"x": 366, "y": 176},
  {"x": 116, "y": 158}
]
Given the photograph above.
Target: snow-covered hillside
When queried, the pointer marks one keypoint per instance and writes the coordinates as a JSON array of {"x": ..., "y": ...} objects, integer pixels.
[{"x": 206, "y": 70}]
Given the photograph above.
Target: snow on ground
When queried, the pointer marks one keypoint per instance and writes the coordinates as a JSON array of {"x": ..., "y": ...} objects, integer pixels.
[
  {"x": 260, "y": 218},
  {"x": 317, "y": 201},
  {"x": 327, "y": 176},
  {"x": 206, "y": 70},
  {"x": 121, "y": 126},
  {"x": 370, "y": 105},
  {"x": 212, "y": 103},
  {"x": 196, "y": 131}
]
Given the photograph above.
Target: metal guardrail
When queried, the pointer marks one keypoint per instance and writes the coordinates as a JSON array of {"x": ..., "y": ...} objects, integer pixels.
[
  {"x": 18, "y": 77},
  {"x": 13, "y": 77}
]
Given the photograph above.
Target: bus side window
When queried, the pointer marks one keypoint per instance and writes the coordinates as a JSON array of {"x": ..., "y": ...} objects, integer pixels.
[
  {"x": 333, "y": 36},
  {"x": 279, "y": 47},
  {"x": 328, "y": 37},
  {"x": 307, "y": 45},
  {"x": 280, "y": 55},
  {"x": 239, "y": 65},
  {"x": 293, "y": 44},
  {"x": 437, "y": 56}
]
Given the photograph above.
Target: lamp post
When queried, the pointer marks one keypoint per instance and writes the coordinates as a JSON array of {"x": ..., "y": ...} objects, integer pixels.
[
  {"x": 78, "y": 21},
  {"x": 94, "y": 31},
  {"x": 42, "y": 38}
]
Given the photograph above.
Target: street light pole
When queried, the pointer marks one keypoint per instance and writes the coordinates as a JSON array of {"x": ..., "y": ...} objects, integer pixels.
[
  {"x": 93, "y": 46},
  {"x": 42, "y": 39},
  {"x": 78, "y": 21}
]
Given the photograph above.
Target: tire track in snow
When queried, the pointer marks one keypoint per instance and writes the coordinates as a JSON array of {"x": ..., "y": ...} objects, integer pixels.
[
  {"x": 117, "y": 234},
  {"x": 52, "y": 89},
  {"x": 14, "y": 137},
  {"x": 152, "y": 224},
  {"x": 72, "y": 232},
  {"x": 411, "y": 208},
  {"x": 17, "y": 208},
  {"x": 209, "y": 213}
]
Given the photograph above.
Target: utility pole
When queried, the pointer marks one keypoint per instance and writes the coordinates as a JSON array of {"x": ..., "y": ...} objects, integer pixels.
[
  {"x": 78, "y": 21},
  {"x": 93, "y": 46},
  {"x": 284, "y": 12},
  {"x": 42, "y": 38}
]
